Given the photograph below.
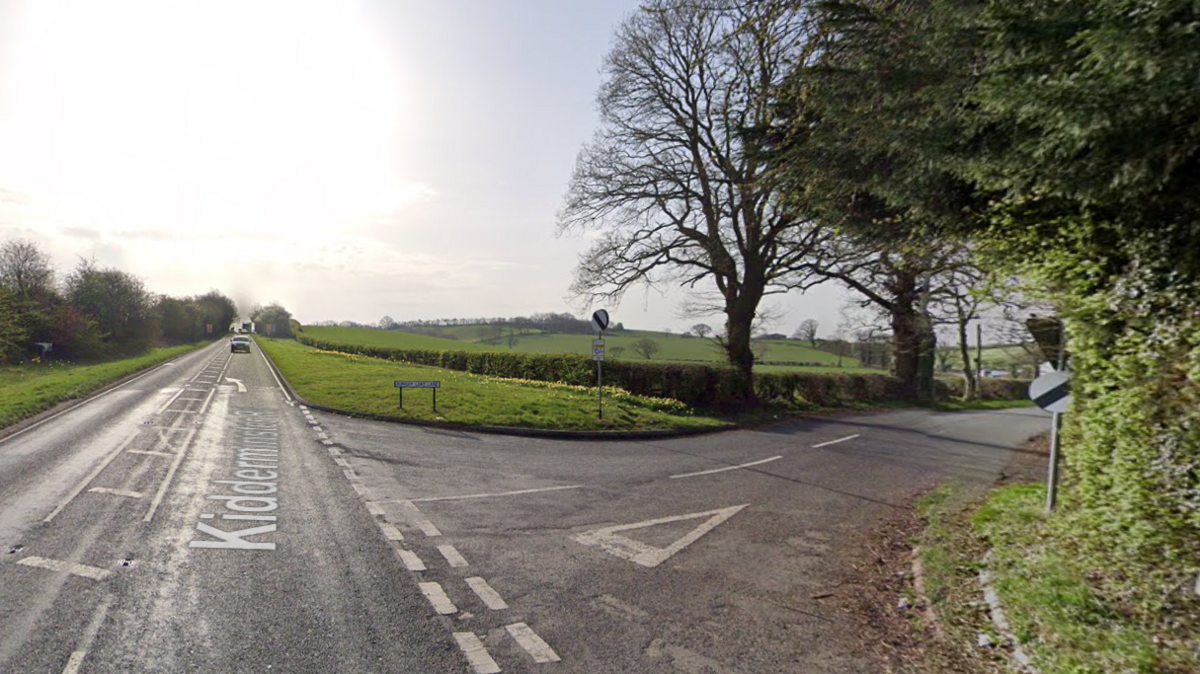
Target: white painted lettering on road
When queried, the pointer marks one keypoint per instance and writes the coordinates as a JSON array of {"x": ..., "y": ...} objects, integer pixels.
[
  {"x": 638, "y": 552},
  {"x": 252, "y": 495},
  {"x": 233, "y": 540}
]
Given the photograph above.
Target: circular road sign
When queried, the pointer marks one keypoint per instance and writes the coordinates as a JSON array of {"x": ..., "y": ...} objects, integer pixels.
[
  {"x": 600, "y": 320},
  {"x": 1052, "y": 391}
]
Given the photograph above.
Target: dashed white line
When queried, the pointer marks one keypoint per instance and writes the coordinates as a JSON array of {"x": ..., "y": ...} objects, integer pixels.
[
  {"x": 322, "y": 436},
  {"x": 342, "y": 462},
  {"x": 350, "y": 475},
  {"x": 481, "y": 662},
  {"x": 118, "y": 492},
  {"x": 437, "y": 596},
  {"x": 453, "y": 557},
  {"x": 722, "y": 470},
  {"x": 333, "y": 451},
  {"x": 532, "y": 643},
  {"x": 490, "y": 597},
  {"x": 374, "y": 508},
  {"x": 502, "y": 493},
  {"x": 411, "y": 561},
  {"x": 74, "y": 662},
  {"x": 327, "y": 442},
  {"x": 391, "y": 532},
  {"x": 834, "y": 442},
  {"x": 91, "y": 476},
  {"x": 419, "y": 520},
  {"x": 89, "y": 635},
  {"x": 93, "y": 572},
  {"x": 207, "y": 400},
  {"x": 361, "y": 490},
  {"x": 148, "y": 452}
]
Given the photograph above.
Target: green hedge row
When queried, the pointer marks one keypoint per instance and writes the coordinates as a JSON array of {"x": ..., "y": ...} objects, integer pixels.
[{"x": 694, "y": 384}]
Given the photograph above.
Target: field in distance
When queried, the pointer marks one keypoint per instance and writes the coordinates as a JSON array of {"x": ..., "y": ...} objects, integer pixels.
[{"x": 776, "y": 355}]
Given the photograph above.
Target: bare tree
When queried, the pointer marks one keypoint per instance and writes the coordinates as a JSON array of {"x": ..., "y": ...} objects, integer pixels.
[
  {"x": 387, "y": 323},
  {"x": 25, "y": 271},
  {"x": 701, "y": 330},
  {"x": 675, "y": 179},
  {"x": 646, "y": 347},
  {"x": 807, "y": 331}
]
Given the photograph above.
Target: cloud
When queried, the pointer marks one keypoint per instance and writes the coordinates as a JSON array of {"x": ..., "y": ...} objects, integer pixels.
[{"x": 82, "y": 233}]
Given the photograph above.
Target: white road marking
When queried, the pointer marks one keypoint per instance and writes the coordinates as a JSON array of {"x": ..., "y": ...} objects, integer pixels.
[
  {"x": 411, "y": 561},
  {"x": 91, "y": 476},
  {"x": 322, "y": 436},
  {"x": 162, "y": 488},
  {"x": 89, "y": 635},
  {"x": 272, "y": 369},
  {"x": 722, "y": 470},
  {"x": 452, "y": 556},
  {"x": 532, "y": 643},
  {"x": 93, "y": 572},
  {"x": 171, "y": 401},
  {"x": 117, "y": 492},
  {"x": 207, "y": 400},
  {"x": 437, "y": 596},
  {"x": 834, "y": 442},
  {"x": 342, "y": 462},
  {"x": 374, "y": 508},
  {"x": 240, "y": 385},
  {"x": 334, "y": 451},
  {"x": 361, "y": 490},
  {"x": 419, "y": 520},
  {"x": 391, "y": 532},
  {"x": 151, "y": 453},
  {"x": 477, "y": 655},
  {"x": 502, "y": 493},
  {"x": 349, "y": 474},
  {"x": 74, "y": 662},
  {"x": 487, "y": 594},
  {"x": 638, "y": 552},
  {"x": 327, "y": 442},
  {"x": 318, "y": 429}
]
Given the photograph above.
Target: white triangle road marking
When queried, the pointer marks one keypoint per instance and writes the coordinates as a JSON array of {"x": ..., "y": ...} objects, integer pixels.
[{"x": 610, "y": 541}]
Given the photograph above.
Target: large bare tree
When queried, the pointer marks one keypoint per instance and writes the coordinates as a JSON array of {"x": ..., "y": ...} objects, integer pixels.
[{"x": 674, "y": 182}]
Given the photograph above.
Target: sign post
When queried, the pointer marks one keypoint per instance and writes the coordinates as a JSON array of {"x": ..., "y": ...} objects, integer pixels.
[
  {"x": 434, "y": 385},
  {"x": 1052, "y": 392},
  {"x": 599, "y": 324}
]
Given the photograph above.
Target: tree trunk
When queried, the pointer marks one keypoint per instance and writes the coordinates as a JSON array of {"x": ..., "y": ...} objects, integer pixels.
[
  {"x": 739, "y": 324},
  {"x": 913, "y": 341},
  {"x": 970, "y": 384}
]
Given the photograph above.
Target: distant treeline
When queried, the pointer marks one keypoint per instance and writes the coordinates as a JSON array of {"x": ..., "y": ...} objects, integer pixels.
[
  {"x": 93, "y": 312},
  {"x": 546, "y": 322}
]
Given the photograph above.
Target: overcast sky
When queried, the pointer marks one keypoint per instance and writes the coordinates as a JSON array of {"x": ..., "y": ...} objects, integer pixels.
[{"x": 348, "y": 160}]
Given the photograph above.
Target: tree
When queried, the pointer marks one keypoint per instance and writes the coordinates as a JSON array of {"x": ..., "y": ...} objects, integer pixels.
[
  {"x": 807, "y": 331},
  {"x": 702, "y": 330},
  {"x": 118, "y": 302},
  {"x": 387, "y": 323},
  {"x": 673, "y": 180},
  {"x": 646, "y": 347},
  {"x": 616, "y": 351},
  {"x": 25, "y": 271},
  {"x": 273, "y": 320}
]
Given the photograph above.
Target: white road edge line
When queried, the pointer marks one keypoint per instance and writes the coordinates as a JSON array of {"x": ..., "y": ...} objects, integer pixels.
[
  {"x": 118, "y": 492},
  {"x": 411, "y": 561},
  {"x": 477, "y": 656},
  {"x": 207, "y": 400},
  {"x": 166, "y": 483},
  {"x": 532, "y": 643},
  {"x": 722, "y": 470},
  {"x": 91, "y": 476},
  {"x": 453, "y": 556},
  {"x": 151, "y": 453},
  {"x": 490, "y": 597},
  {"x": 281, "y": 388},
  {"x": 391, "y": 532},
  {"x": 76, "y": 659},
  {"x": 502, "y": 493},
  {"x": 419, "y": 520},
  {"x": 834, "y": 442},
  {"x": 93, "y": 572},
  {"x": 437, "y": 596}
]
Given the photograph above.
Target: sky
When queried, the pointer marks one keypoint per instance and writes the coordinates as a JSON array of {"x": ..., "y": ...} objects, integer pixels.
[{"x": 349, "y": 160}]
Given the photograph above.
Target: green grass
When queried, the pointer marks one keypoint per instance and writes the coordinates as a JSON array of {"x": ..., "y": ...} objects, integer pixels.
[
  {"x": 675, "y": 348},
  {"x": 28, "y": 389},
  {"x": 363, "y": 385},
  {"x": 960, "y": 406}
]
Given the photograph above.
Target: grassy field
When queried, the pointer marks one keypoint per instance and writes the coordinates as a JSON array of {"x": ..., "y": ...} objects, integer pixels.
[
  {"x": 364, "y": 385},
  {"x": 28, "y": 389},
  {"x": 675, "y": 348}
]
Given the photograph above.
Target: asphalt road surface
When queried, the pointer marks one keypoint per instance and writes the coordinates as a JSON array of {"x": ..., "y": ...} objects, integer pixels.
[{"x": 198, "y": 520}]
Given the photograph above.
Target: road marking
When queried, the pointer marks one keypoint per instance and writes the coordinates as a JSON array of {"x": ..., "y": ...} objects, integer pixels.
[
  {"x": 411, "y": 561},
  {"x": 532, "y": 643},
  {"x": 91, "y": 476},
  {"x": 437, "y": 596},
  {"x": 272, "y": 369},
  {"x": 171, "y": 401},
  {"x": 322, "y": 436},
  {"x": 327, "y": 442},
  {"x": 304, "y": 408},
  {"x": 207, "y": 400},
  {"x": 361, "y": 490},
  {"x": 391, "y": 532},
  {"x": 333, "y": 451},
  {"x": 419, "y": 520},
  {"x": 151, "y": 453},
  {"x": 487, "y": 594},
  {"x": 74, "y": 662},
  {"x": 374, "y": 508},
  {"x": 117, "y": 492},
  {"x": 481, "y": 662},
  {"x": 834, "y": 442},
  {"x": 342, "y": 462},
  {"x": 93, "y": 572},
  {"x": 240, "y": 385},
  {"x": 638, "y": 552},
  {"x": 452, "y": 556},
  {"x": 89, "y": 635},
  {"x": 318, "y": 429},
  {"x": 349, "y": 474},
  {"x": 722, "y": 470},
  {"x": 501, "y": 493},
  {"x": 162, "y": 488}
]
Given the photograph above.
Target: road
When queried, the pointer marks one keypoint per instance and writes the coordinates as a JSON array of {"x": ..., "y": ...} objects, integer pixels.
[{"x": 198, "y": 520}]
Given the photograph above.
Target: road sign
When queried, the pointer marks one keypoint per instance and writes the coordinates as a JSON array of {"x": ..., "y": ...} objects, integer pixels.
[
  {"x": 418, "y": 384},
  {"x": 600, "y": 320},
  {"x": 1052, "y": 391},
  {"x": 597, "y": 342},
  {"x": 597, "y": 353}
]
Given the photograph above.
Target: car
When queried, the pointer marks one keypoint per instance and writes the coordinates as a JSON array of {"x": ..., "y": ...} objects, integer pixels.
[{"x": 239, "y": 344}]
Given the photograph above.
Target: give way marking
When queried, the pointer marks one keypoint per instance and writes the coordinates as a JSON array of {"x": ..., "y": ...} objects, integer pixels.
[{"x": 610, "y": 541}]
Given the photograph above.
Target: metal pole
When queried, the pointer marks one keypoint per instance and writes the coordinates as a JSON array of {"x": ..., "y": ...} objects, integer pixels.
[
  {"x": 435, "y": 401},
  {"x": 600, "y": 387},
  {"x": 1055, "y": 423},
  {"x": 978, "y": 355}
]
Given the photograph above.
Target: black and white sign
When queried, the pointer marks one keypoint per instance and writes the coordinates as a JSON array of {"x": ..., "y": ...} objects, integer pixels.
[
  {"x": 418, "y": 384},
  {"x": 1052, "y": 392},
  {"x": 600, "y": 320}
]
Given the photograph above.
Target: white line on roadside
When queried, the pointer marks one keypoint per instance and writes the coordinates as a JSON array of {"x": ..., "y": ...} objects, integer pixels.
[
  {"x": 350, "y": 475},
  {"x": 411, "y": 561},
  {"x": 374, "y": 508},
  {"x": 281, "y": 387},
  {"x": 419, "y": 520},
  {"x": 342, "y": 462},
  {"x": 162, "y": 488},
  {"x": 327, "y": 443},
  {"x": 437, "y": 596},
  {"x": 149, "y": 452},
  {"x": 93, "y": 572},
  {"x": 91, "y": 476},
  {"x": 490, "y": 597},
  {"x": 118, "y": 492},
  {"x": 722, "y": 470},
  {"x": 322, "y": 436},
  {"x": 453, "y": 557},
  {"x": 171, "y": 401},
  {"x": 477, "y": 656},
  {"x": 89, "y": 635},
  {"x": 834, "y": 442},
  {"x": 334, "y": 451},
  {"x": 502, "y": 493},
  {"x": 532, "y": 643},
  {"x": 207, "y": 400},
  {"x": 361, "y": 490},
  {"x": 74, "y": 662},
  {"x": 391, "y": 532}
]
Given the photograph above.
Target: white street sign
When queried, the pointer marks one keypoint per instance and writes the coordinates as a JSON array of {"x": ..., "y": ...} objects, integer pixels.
[{"x": 1052, "y": 391}]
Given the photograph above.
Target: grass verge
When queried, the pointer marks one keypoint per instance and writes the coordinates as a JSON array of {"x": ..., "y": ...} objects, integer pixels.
[
  {"x": 28, "y": 389},
  {"x": 1065, "y": 617},
  {"x": 364, "y": 385}
]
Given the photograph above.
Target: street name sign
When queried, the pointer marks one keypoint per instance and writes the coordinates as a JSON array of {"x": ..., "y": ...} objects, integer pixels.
[{"x": 418, "y": 384}]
